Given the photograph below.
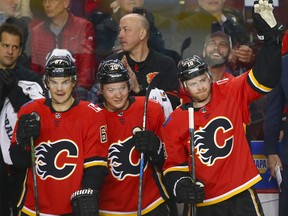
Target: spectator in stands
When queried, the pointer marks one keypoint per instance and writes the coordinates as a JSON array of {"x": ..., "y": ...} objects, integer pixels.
[
  {"x": 22, "y": 24},
  {"x": 144, "y": 61},
  {"x": 17, "y": 12},
  {"x": 210, "y": 18},
  {"x": 18, "y": 85},
  {"x": 106, "y": 30},
  {"x": 276, "y": 110},
  {"x": 64, "y": 30},
  {"x": 216, "y": 52},
  {"x": 7, "y": 8},
  {"x": 155, "y": 40}
]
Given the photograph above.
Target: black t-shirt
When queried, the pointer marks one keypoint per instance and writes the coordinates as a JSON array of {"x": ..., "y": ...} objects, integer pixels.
[{"x": 155, "y": 62}]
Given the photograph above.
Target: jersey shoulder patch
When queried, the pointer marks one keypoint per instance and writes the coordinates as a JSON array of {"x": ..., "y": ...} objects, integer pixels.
[
  {"x": 96, "y": 108},
  {"x": 220, "y": 82}
]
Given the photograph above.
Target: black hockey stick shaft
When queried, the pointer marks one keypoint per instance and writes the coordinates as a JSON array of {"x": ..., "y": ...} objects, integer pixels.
[
  {"x": 35, "y": 186},
  {"x": 192, "y": 154},
  {"x": 140, "y": 189},
  {"x": 186, "y": 43}
]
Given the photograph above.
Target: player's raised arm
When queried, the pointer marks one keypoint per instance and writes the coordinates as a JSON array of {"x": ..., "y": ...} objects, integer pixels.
[{"x": 267, "y": 69}]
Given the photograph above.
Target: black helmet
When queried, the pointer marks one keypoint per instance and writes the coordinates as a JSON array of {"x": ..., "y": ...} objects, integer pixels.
[
  {"x": 192, "y": 67},
  {"x": 112, "y": 71},
  {"x": 60, "y": 63}
]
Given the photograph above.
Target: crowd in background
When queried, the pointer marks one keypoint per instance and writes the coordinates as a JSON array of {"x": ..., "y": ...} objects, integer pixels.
[
  {"x": 171, "y": 22},
  {"x": 91, "y": 31}
]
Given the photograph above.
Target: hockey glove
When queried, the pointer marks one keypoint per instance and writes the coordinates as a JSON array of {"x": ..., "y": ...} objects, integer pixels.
[
  {"x": 265, "y": 23},
  {"x": 28, "y": 126},
  {"x": 146, "y": 142},
  {"x": 185, "y": 191},
  {"x": 85, "y": 202}
]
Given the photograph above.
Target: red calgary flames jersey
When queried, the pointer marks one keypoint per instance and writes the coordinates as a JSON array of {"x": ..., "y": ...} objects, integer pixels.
[
  {"x": 68, "y": 143},
  {"x": 119, "y": 193},
  {"x": 222, "y": 156}
]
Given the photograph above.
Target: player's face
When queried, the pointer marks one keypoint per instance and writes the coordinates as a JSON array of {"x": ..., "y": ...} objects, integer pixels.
[
  {"x": 212, "y": 6},
  {"x": 116, "y": 96},
  {"x": 128, "y": 5},
  {"x": 61, "y": 89},
  {"x": 10, "y": 50},
  {"x": 129, "y": 34},
  {"x": 199, "y": 88},
  {"x": 55, "y": 8},
  {"x": 9, "y": 6},
  {"x": 216, "y": 51}
]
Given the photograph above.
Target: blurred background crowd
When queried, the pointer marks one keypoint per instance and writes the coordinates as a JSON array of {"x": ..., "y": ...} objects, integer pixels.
[{"x": 178, "y": 29}]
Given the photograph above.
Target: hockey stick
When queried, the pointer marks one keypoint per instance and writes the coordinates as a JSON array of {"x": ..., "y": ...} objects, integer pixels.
[
  {"x": 148, "y": 90},
  {"x": 35, "y": 187},
  {"x": 192, "y": 158},
  {"x": 186, "y": 43}
]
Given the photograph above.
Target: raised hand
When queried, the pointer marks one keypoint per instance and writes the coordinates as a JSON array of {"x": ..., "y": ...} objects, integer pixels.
[{"x": 265, "y": 22}]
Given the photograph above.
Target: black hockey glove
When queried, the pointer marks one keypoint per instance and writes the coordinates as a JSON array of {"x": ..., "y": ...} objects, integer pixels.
[
  {"x": 28, "y": 126},
  {"x": 185, "y": 191},
  {"x": 8, "y": 78},
  {"x": 85, "y": 202},
  {"x": 146, "y": 142},
  {"x": 265, "y": 23}
]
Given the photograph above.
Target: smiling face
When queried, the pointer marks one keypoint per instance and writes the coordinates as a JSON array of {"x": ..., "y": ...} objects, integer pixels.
[
  {"x": 216, "y": 51},
  {"x": 116, "y": 96}
]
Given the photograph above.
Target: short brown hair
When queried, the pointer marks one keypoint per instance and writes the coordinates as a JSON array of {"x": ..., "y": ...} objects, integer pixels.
[{"x": 11, "y": 29}]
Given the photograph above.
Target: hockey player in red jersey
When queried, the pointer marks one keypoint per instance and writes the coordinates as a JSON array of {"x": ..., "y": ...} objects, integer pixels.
[
  {"x": 223, "y": 161},
  {"x": 124, "y": 116},
  {"x": 70, "y": 146}
]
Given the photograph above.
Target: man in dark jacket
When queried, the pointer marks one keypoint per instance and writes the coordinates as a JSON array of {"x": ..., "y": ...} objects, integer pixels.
[
  {"x": 144, "y": 61},
  {"x": 214, "y": 17},
  {"x": 277, "y": 106},
  {"x": 17, "y": 86}
]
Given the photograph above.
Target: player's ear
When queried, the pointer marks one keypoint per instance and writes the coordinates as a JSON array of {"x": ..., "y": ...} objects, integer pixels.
[
  {"x": 74, "y": 83},
  {"x": 143, "y": 34},
  {"x": 203, "y": 52},
  {"x": 67, "y": 4}
]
